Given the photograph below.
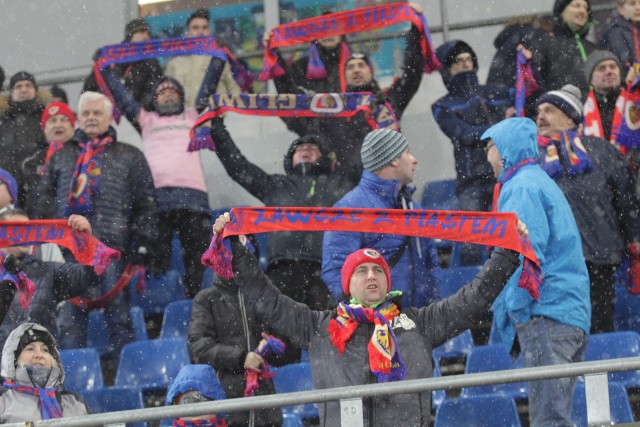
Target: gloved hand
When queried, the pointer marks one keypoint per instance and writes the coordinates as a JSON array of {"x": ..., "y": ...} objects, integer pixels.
[
  {"x": 633, "y": 274},
  {"x": 13, "y": 264}
]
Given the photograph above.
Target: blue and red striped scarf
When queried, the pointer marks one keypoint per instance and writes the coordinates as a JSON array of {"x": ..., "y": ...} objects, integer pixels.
[
  {"x": 385, "y": 361},
  {"x": 212, "y": 422},
  {"x": 87, "y": 175},
  {"x": 274, "y": 348},
  {"x": 49, "y": 406},
  {"x": 564, "y": 152},
  {"x": 346, "y": 22}
]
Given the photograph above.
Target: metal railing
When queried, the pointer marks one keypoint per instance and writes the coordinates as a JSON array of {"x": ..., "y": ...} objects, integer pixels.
[{"x": 595, "y": 375}]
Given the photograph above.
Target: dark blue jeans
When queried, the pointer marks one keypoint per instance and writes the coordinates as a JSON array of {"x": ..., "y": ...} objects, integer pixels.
[
  {"x": 72, "y": 321},
  {"x": 544, "y": 341}
]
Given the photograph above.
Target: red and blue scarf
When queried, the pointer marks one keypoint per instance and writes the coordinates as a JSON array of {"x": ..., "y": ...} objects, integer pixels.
[
  {"x": 25, "y": 286},
  {"x": 274, "y": 348},
  {"x": 497, "y": 229},
  {"x": 137, "y": 51},
  {"x": 316, "y": 69},
  {"x": 211, "y": 422},
  {"x": 526, "y": 83},
  {"x": 54, "y": 146},
  {"x": 531, "y": 276},
  {"x": 345, "y": 105},
  {"x": 564, "y": 153},
  {"x": 49, "y": 406},
  {"x": 86, "y": 176},
  {"x": 346, "y": 22},
  {"x": 385, "y": 361},
  {"x": 85, "y": 248},
  {"x": 628, "y": 137},
  {"x": 593, "y": 120}
]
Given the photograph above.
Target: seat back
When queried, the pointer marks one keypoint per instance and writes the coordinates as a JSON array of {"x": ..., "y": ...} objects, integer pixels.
[
  {"x": 618, "y": 403},
  {"x": 459, "y": 346},
  {"x": 478, "y": 411},
  {"x": 493, "y": 357},
  {"x": 98, "y": 335},
  {"x": 152, "y": 364},
  {"x": 114, "y": 399},
  {"x": 292, "y": 378},
  {"x": 175, "y": 322},
  {"x": 613, "y": 345},
  {"x": 454, "y": 278},
  {"x": 158, "y": 292},
  {"x": 82, "y": 369},
  {"x": 440, "y": 195}
]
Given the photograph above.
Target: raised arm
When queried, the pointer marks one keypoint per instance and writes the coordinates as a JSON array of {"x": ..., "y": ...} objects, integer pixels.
[{"x": 123, "y": 98}]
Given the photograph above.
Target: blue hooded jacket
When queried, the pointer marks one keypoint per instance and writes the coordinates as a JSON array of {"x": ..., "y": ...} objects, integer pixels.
[
  {"x": 539, "y": 203},
  {"x": 200, "y": 378}
]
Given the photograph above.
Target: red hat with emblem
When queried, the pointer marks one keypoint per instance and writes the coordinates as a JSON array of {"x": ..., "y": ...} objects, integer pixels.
[
  {"x": 57, "y": 108},
  {"x": 360, "y": 257}
]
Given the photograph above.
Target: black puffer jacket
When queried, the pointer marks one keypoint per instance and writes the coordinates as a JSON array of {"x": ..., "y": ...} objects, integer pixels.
[
  {"x": 22, "y": 145},
  {"x": 418, "y": 331},
  {"x": 619, "y": 40},
  {"x": 55, "y": 282},
  {"x": 345, "y": 136},
  {"x": 557, "y": 58},
  {"x": 222, "y": 330},
  {"x": 297, "y": 188},
  {"x": 125, "y": 210},
  {"x": 604, "y": 203}
]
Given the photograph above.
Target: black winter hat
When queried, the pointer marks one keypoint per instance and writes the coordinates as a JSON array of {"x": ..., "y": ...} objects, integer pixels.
[
  {"x": 308, "y": 139},
  {"x": 20, "y": 76},
  {"x": 33, "y": 335},
  {"x": 2, "y": 77},
  {"x": 560, "y": 5},
  {"x": 135, "y": 26},
  {"x": 448, "y": 52}
]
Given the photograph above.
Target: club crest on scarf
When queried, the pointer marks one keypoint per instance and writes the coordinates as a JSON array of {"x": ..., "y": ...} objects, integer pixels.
[
  {"x": 568, "y": 145},
  {"x": 628, "y": 135}
]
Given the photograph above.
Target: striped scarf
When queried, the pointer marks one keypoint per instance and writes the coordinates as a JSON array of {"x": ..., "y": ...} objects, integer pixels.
[
  {"x": 49, "y": 408},
  {"x": 384, "y": 355}
]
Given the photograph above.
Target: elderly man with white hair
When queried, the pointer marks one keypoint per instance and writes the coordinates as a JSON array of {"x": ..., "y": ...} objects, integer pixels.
[{"x": 95, "y": 175}]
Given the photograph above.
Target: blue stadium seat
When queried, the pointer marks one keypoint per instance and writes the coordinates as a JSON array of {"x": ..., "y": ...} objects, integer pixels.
[
  {"x": 627, "y": 310},
  {"x": 292, "y": 420},
  {"x": 207, "y": 278},
  {"x": 618, "y": 403},
  {"x": 292, "y": 378},
  {"x": 158, "y": 292},
  {"x": 114, "y": 399},
  {"x": 437, "y": 396},
  {"x": 152, "y": 364},
  {"x": 440, "y": 195},
  {"x": 613, "y": 345},
  {"x": 492, "y": 358},
  {"x": 82, "y": 369},
  {"x": 176, "y": 319},
  {"x": 98, "y": 336},
  {"x": 478, "y": 411},
  {"x": 176, "y": 262},
  {"x": 457, "y": 347},
  {"x": 452, "y": 279}
]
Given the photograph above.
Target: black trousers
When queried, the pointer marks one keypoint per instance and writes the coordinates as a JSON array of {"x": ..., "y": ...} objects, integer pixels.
[
  {"x": 194, "y": 231},
  {"x": 603, "y": 297}
]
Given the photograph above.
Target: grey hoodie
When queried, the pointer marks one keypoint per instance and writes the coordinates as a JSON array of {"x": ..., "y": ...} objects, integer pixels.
[{"x": 18, "y": 407}]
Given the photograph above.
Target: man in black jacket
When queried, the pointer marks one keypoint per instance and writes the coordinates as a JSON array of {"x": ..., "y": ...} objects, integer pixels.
[
  {"x": 598, "y": 184},
  {"x": 112, "y": 186},
  {"x": 294, "y": 260},
  {"x": 341, "y": 347},
  {"x": 345, "y": 136},
  {"x": 224, "y": 332},
  {"x": 22, "y": 142}
]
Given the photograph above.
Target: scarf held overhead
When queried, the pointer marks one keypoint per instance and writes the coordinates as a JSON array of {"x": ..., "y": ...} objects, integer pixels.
[
  {"x": 497, "y": 229},
  {"x": 85, "y": 248},
  {"x": 138, "y": 51},
  {"x": 345, "y": 105},
  {"x": 346, "y": 22}
]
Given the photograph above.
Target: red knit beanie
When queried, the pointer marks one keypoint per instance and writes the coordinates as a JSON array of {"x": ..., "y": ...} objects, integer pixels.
[
  {"x": 360, "y": 257},
  {"x": 57, "y": 108}
]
